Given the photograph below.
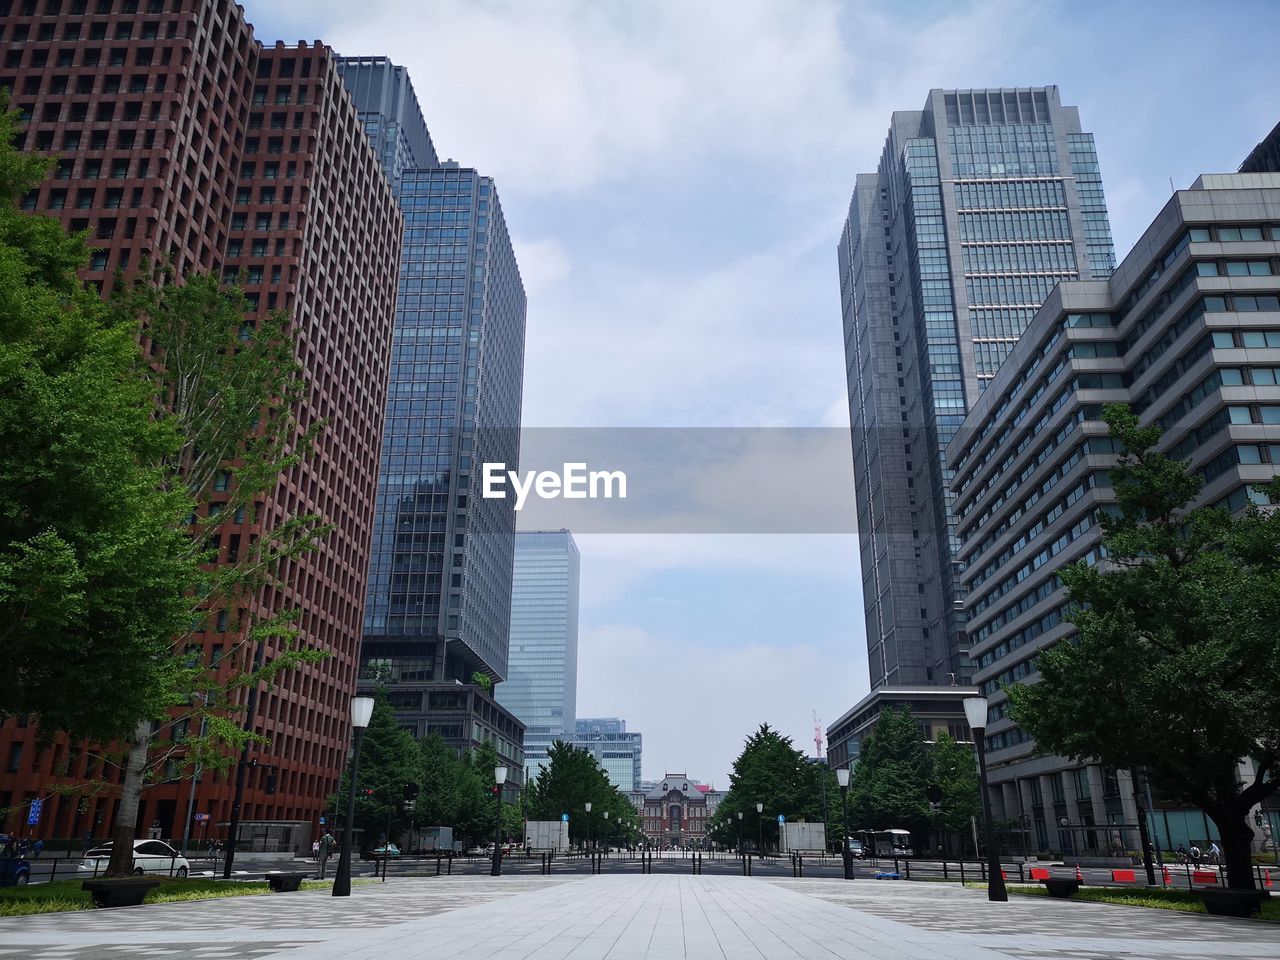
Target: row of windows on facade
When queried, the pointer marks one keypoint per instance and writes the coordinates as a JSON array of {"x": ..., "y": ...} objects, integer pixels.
[
  {"x": 1240, "y": 303},
  {"x": 1238, "y": 454}
]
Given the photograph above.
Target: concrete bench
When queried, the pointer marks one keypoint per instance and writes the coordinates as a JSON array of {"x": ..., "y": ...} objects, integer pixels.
[
  {"x": 119, "y": 892},
  {"x": 1061, "y": 887},
  {"x": 287, "y": 882}
]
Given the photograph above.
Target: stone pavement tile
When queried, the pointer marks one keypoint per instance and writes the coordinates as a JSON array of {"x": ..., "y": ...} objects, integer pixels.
[{"x": 636, "y": 917}]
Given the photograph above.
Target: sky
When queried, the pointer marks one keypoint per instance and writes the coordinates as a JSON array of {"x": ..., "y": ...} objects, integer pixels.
[{"x": 675, "y": 176}]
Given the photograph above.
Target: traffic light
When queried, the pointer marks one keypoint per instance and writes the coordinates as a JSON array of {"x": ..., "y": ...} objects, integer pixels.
[
  {"x": 410, "y": 791},
  {"x": 270, "y": 786},
  {"x": 367, "y": 792}
]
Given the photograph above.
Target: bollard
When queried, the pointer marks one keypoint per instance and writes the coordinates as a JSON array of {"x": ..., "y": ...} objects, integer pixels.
[
  {"x": 944, "y": 871},
  {"x": 962, "y": 871}
]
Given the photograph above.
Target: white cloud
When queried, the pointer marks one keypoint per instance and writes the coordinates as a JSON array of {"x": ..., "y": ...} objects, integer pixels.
[
  {"x": 695, "y": 704},
  {"x": 557, "y": 95},
  {"x": 618, "y": 568},
  {"x": 543, "y": 263}
]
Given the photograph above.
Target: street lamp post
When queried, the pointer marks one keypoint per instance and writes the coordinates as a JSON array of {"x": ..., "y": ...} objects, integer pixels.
[
  {"x": 739, "y": 831},
  {"x": 760, "y": 829},
  {"x": 499, "y": 778},
  {"x": 975, "y": 711},
  {"x": 606, "y": 831},
  {"x": 842, "y": 777},
  {"x": 587, "y": 806},
  {"x": 361, "y": 711}
]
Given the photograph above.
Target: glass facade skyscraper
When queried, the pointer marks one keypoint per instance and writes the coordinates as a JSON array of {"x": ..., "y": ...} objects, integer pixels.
[
  {"x": 982, "y": 202},
  {"x": 542, "y": 678},
  {"x": 618, "y": 751},
  {"x": 439, "y": 596}
]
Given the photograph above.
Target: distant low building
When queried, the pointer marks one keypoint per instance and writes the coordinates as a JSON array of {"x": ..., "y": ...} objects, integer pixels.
[
  {"x": 936, "y": 709},
  {"x": 616, "y": 749}
]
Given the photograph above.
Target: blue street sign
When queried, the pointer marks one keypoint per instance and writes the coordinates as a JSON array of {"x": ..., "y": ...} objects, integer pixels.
[
  {"x": 781, "y": 818},
  {"x": 323, "y": 821},
  {"x": 564, "y": 817},
  {"x": 33, "y": 815}
]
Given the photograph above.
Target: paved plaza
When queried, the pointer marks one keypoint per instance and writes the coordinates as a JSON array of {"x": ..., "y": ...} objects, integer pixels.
[{"x": 635, "y": 917}]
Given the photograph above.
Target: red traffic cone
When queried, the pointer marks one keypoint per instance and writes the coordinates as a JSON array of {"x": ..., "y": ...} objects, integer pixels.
[
  {"x": 1167, "y": 879},
  {"x": 1079, "y": 875}
]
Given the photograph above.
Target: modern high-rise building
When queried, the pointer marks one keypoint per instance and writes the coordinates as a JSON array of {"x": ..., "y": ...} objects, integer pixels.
[
  {"x": 541, "y": 688},
  {"x": 180, "y": 137},
  {"x": 1187, "y": 332},
  {"x": 439, "y": 601},
  {"x": 618, "y": 751},
  {"x": 982, "y": 201}
]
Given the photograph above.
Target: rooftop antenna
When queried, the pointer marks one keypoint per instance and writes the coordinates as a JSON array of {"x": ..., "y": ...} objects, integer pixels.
[{"x": 817, "y": 734}]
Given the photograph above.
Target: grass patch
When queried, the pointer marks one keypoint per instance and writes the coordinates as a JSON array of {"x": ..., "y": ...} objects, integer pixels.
[
  {"x": 65, "y": 895},
  {"x": 1154, "y": 899}
]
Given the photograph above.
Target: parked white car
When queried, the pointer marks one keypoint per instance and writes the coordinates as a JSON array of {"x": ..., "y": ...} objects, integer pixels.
[{"x": 149, "y": 856}]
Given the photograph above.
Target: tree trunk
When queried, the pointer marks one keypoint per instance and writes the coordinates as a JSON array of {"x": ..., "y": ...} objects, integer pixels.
[
  {"x": 125, "y": 827},
  {"x": 1237, "y": 850}
]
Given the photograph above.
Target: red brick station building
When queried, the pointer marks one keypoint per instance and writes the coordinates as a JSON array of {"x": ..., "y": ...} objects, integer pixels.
[{"x": 675, "y": 811}]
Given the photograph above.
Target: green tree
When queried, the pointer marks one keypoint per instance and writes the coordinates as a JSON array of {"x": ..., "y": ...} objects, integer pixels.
[
  {"x": 1174, "y": 668},
  {"x": 94, "y": 560},
  {"x": 771, "y": 771},
  {"x": 572, "y": 778},
  {"x": 889, "y": 783},
  {"x": 440, "y": 770},
  {"x": 230, "y": 385},
  {"x": 955, "y": 771},
  {"x": 389, "y": 759}
]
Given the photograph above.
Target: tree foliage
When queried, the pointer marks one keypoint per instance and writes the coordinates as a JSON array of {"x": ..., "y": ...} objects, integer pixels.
[
  {"x": 109, "y": 523},
  {"x": 891, "y": 778},
  {"x": 771, "y": 771},
  {"x": 389, "y": 759},
  {"x": 572, "y": 778},
  {"x": 955, "y": 772},
  {"x": 228, "y": 462},
  {"x": 1174, "y": 668},
  {"x": 94, "y": 560}
]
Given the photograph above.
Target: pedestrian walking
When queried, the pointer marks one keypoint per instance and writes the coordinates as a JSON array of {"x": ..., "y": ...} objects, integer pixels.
[
  {"x": 37, "y": 848},
  {"x": 326, "y": 849},
  {"x": 315, "y": 850}
]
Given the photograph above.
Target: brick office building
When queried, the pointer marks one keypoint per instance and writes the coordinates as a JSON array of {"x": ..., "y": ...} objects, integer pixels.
[{"x": 180, "y": 137}]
